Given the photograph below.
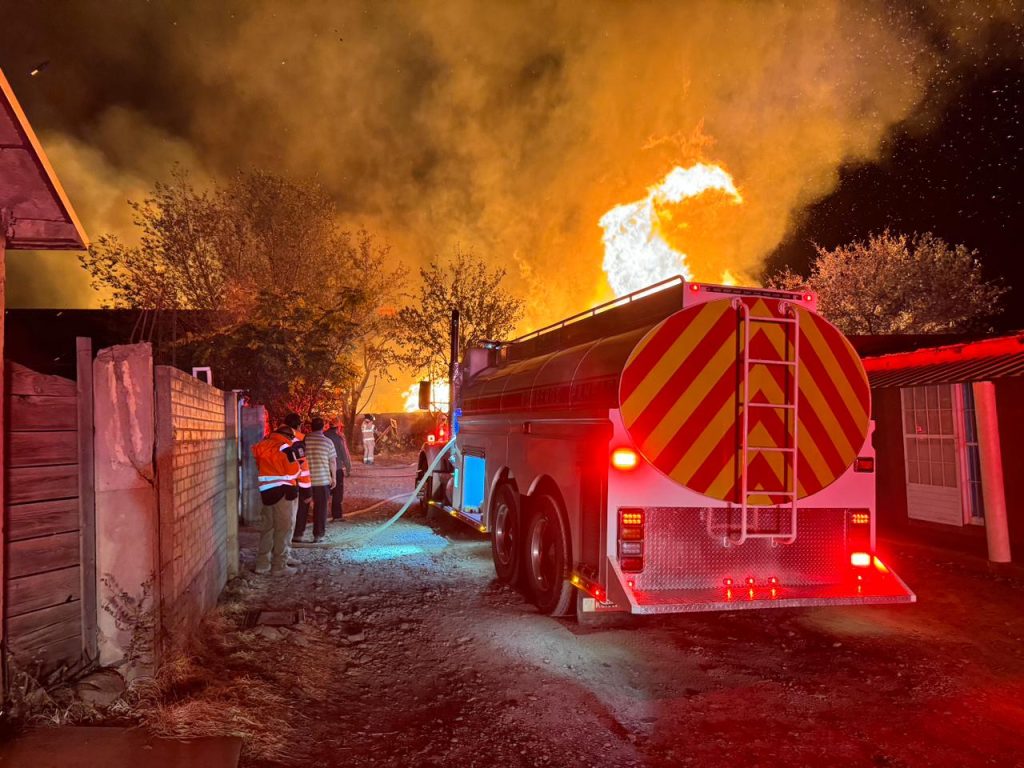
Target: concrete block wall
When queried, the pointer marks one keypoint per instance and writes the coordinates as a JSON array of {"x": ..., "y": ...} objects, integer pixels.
[{"x": 197, "y": 505}]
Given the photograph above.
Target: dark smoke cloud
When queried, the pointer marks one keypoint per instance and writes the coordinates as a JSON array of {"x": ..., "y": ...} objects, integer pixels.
[{"x": 508, "y": 127}]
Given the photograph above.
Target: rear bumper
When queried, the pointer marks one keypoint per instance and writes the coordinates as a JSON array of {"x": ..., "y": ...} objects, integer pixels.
[{"x": 890, "y": 590}]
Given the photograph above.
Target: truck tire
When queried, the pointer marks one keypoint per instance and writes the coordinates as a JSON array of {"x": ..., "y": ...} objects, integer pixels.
[
  {"x": 547, "y": 557},
  {"x": 506, "y": 537}
]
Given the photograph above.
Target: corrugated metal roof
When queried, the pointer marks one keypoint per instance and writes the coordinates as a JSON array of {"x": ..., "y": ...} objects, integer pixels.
[
  {"x": 29, "y": 189},
  {"x": 984, "y": 360}
]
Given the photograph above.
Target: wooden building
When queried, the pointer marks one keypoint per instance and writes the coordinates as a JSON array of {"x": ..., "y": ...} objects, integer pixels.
[{"x": 46, "y": 420}]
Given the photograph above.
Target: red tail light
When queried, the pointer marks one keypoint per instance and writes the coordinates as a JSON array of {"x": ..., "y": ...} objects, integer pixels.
[
  {"x": 625, "y": 459},
  {"x": 695, "y": 287},
  {"x": 632, "y": 564},
  {"x": 864, "y": 464},
  {"x": 631, "y": 540},
  {"x": 431, "y": 439}
]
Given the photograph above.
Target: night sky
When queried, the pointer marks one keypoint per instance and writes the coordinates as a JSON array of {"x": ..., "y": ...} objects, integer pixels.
[
  {"x": 956, "y": 171},
  {"x": 513, "y": 127}
]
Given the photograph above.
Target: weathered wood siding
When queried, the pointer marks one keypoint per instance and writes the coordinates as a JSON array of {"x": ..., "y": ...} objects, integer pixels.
[{"x": 42, "y": 541}]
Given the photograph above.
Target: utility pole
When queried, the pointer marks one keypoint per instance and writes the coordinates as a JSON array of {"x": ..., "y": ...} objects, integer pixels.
[{"x": 454, "y": 372}]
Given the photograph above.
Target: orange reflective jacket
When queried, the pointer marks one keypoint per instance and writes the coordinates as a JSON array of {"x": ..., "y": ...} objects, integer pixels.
[
  {"x": 305, "y": 480},
  {"x": 276, "y": 462}
]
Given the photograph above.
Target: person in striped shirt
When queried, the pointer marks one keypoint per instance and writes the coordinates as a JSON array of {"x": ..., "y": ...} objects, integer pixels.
[{"x": 323, "y": 473}]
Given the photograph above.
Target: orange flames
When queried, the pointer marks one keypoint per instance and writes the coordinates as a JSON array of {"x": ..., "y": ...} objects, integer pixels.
[
  {"x": 438, "y": 396},
  {"x": 636, "y": 249}
]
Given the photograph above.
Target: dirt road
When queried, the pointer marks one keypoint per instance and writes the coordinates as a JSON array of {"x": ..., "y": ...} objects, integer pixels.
[{"x": 411, "y": 654}]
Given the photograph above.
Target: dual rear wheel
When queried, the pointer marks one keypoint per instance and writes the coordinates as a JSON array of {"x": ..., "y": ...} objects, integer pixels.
[{"x": 530, "y": 548}]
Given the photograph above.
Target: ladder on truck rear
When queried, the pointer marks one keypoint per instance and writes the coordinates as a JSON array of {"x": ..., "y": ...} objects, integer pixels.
[{"x": 790, "y": 321}]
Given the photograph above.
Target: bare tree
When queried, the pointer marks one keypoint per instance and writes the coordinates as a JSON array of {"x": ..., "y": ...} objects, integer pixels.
[
  {"x": 375, "y": 351},
  {"x": 464, "y": 282},
  {"x": 900, "y": 284}
]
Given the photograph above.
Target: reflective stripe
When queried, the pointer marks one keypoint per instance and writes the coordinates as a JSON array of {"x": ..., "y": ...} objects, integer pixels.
[
  {"x": 274, "y": 484},
  {"x": 266, "y": 478}
]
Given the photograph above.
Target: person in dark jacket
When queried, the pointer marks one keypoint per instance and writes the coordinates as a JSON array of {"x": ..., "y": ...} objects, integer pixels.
[{"x": 336, "y": 435}]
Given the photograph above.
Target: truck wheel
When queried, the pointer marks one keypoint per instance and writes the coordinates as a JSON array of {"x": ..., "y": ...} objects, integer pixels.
[
  {"x": 547, "y": 559},
  {"x": 506, "y": 540}
]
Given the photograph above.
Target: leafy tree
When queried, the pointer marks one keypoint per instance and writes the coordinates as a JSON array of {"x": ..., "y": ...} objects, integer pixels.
[
  {"x": 287, "y": 360},
  {"x": 175, "y": 264},
  {"x": 289, "y": 295},
  {"x": 900, "y": 284},
  {"x": 463, "y": 282}
]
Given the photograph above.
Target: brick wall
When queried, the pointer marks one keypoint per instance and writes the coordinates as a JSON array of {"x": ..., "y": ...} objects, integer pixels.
[{"x": 192, "y": 450}]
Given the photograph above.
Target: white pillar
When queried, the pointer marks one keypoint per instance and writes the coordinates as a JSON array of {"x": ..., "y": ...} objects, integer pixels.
[{"x": 993, "y": 491}]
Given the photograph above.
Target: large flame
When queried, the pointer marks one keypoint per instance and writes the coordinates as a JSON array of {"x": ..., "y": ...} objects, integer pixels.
[
  {"x": 636, "y": 253},
  {"x": 438, "y": 396}
]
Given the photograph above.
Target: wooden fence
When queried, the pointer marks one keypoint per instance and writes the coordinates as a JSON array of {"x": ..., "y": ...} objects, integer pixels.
[{"x": 49, "y": 538}]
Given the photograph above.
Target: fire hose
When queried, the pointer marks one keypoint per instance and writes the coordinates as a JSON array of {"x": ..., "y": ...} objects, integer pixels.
[{"x": 360, "y": 537}]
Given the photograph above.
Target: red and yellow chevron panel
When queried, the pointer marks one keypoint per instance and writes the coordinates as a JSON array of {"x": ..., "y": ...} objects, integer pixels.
[{"x": 681, "y": 396}]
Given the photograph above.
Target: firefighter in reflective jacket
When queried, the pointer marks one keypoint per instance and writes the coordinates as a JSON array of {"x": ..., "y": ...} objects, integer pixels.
[
  {"x": 277, "y": 465},
  {"x": 305, "y": 482}
]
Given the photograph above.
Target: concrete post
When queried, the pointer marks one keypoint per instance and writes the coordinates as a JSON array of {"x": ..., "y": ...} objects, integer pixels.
[
  {"x": 993, "y": 491},
  {"x": 127, "y": 519},
  {"x": 231, "y": 467}
]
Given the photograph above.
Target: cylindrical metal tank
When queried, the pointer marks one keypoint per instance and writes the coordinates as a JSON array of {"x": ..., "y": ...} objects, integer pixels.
[{"x": 752, "y": 380}]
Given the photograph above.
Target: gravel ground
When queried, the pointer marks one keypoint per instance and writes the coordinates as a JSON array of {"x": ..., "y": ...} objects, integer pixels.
[{"x": 412, "y": 654}]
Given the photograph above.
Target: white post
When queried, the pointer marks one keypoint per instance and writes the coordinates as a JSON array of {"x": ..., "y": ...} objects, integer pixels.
[{"x": 993, "y": 491}]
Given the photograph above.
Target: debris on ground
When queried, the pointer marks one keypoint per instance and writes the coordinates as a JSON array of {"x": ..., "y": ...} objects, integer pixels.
[{"x": 411, "y": 653}]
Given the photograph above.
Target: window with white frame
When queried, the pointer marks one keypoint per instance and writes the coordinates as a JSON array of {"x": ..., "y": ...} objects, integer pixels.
[{"x": 929, "y": 437}]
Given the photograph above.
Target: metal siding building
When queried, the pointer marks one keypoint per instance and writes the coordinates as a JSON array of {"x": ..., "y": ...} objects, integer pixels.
[{"x": 936, "y": 472}]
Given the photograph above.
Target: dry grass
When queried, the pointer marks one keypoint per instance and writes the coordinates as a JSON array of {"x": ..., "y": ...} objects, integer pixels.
[
  {"x": 230, "y": 681},
  {"x": 31, "y": 703}
]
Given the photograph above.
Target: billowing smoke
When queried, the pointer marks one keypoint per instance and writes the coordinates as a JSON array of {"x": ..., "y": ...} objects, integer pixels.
[{"x": 511, "y": 128}]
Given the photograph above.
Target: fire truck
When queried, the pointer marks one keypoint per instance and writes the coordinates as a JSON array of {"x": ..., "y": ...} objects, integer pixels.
[{"x": 688, "y": 447}]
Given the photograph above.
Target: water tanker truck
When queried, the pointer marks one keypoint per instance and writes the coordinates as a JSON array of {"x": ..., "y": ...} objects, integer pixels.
[{"x": 688, "y": 447}]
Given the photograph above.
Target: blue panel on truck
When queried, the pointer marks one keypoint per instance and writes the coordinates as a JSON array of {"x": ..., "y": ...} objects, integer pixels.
[{"x": 473, "y": 475}]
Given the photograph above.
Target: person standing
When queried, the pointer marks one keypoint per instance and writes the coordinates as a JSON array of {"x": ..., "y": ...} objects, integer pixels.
[
  {"x": 323, "y": 462},
  {"x": 337, "y": 438},
  {"x": 278, "y": 469},
  {"x": 294, "y": 421},
  {"x": 369, "y": 439}
]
